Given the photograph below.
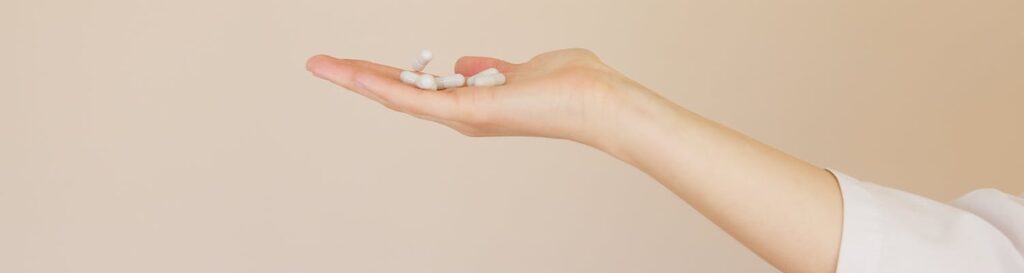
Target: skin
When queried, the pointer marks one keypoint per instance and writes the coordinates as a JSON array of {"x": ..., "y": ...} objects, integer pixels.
[{"x": 787, "y": 211}]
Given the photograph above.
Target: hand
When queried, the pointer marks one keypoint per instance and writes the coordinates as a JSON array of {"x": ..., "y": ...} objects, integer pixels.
[{"x": 568, "y": 94}]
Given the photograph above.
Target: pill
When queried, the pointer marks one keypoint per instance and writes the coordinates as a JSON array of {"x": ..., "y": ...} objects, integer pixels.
[
  {"x": 426, "y": 82},
  {"x": 488, "y": 71},
  {"x": 422, "y": 60},
  {"x": 409, "y": 77},
  {"x": 451, "y": 81},
  {"x": 487, "y": 80}
]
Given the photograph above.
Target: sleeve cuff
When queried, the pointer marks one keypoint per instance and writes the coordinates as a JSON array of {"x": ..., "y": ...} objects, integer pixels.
[{"x": 860, "y": 245}]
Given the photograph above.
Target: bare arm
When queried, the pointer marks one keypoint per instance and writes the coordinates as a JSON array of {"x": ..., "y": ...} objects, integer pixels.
[{"x": 786, "y": 210}]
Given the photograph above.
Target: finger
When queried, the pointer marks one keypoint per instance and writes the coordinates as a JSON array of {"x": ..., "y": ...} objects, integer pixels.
[
  {"x": 470, "y": 65},
  {"x": 380, "y": 83},
  {"x": 341, "y": 71}
]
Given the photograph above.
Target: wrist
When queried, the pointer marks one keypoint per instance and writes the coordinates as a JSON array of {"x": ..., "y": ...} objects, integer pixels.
[{"x": 637, "y": 120}]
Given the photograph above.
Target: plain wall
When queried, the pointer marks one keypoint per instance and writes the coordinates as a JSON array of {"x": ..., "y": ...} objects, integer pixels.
[{"x": 186, "y": 136}]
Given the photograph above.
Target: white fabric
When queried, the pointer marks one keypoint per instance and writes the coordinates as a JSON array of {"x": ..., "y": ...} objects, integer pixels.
[{"x": 887, "y": 230}]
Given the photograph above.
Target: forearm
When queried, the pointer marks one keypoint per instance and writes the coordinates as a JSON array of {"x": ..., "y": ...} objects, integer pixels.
[{"x": 784, "y": 209}]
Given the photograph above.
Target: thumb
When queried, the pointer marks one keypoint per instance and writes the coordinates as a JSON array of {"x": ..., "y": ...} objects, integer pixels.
[{"x": 470, "y": 65}]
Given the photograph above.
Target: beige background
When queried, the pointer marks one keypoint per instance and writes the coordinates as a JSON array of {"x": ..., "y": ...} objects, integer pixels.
[{"x": 185, "y": 136}]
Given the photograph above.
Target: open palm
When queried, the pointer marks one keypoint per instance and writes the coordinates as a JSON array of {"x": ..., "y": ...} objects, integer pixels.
[{"x": 565, "y": 94}]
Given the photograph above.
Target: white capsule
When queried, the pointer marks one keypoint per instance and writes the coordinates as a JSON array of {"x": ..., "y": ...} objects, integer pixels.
[
  {"x": 426, "y": 82},
  {"x": 487, "y": 80},
  {"x": 488, "y": 71},
  {"x": 422, "y": 60},
  {"x": 451, "y": 81},
  {"x": 409, "y": 77}
]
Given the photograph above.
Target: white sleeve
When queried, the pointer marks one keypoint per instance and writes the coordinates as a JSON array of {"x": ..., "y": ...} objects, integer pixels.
[{"x": 887, "y": 230}]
